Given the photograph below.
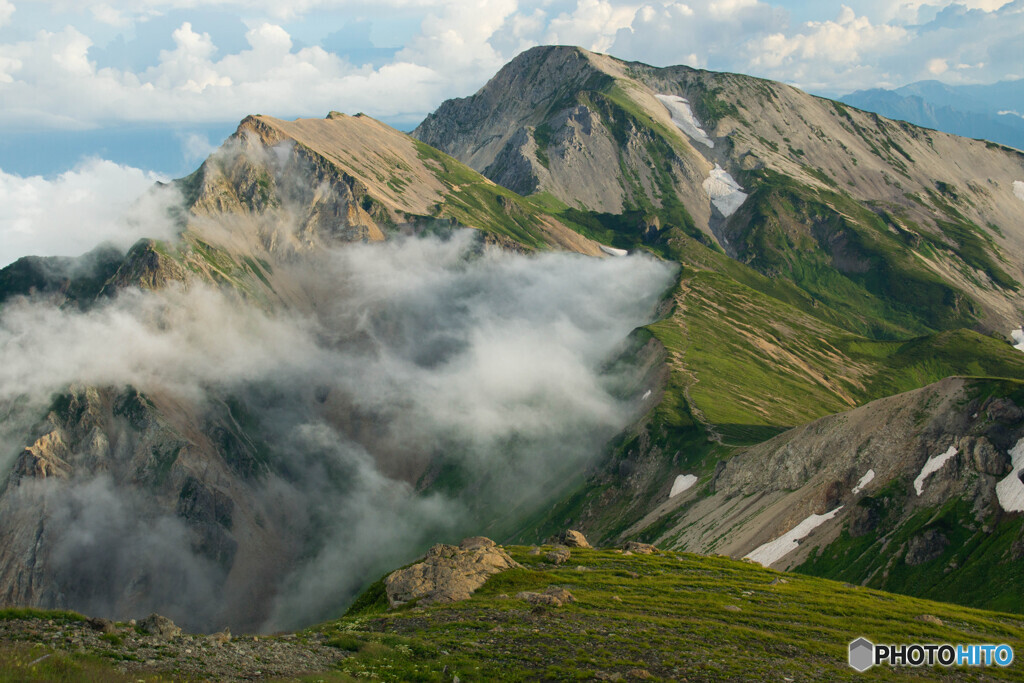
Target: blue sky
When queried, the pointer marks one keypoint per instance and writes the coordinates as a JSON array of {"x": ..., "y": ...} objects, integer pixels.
[{"x": 154, "y": 85}]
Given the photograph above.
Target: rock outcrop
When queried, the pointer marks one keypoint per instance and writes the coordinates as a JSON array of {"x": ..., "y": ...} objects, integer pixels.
[{"x": 448, "y": 573}]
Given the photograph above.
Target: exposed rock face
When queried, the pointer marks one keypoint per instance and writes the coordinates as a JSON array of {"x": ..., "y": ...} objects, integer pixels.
[
  {"x": 590, "y": 130},
  {"x": 926, "y": 547},
  {"x": 771, "y": 488},
  {"x": 448, "y": 573},
  {"x": 122, "y": 489}
]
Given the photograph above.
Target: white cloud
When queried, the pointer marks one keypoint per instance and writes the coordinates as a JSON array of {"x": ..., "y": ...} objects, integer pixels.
[
  {"x": 592, "y": 24},
  {"x": 843, "y": 40},
  {"x": 47, "y": 79},
  {"x": 6, "y": 10},
  {"x": 72, "y": 213}
]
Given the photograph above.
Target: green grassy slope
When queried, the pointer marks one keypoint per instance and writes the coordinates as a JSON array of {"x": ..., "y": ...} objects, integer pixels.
[{"x": 671, "y": 616}]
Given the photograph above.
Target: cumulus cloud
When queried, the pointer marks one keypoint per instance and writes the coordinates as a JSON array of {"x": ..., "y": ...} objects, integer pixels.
[
  {"x": 460, "y": 45},
  {"x": 823, "y": 51},
  {"x": 98, "y": 201}
]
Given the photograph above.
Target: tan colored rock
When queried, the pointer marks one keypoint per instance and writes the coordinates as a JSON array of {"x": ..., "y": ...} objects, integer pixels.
[
  {"x": 558, "y": 556},
  {"x": 553, "y": 596},
  {"x": 930, "y": 619},
  {"x": 640, "y": 548},
  {"x": 574, "y": 539},
  {"x": 448, "y": 573}
]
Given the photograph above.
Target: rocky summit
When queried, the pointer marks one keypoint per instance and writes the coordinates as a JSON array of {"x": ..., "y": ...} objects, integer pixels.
[{"x": 717, "y": 326}]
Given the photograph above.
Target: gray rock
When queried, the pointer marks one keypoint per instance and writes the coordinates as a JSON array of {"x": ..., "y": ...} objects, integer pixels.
[
  {"x": 988, "y": 460},
  {"x": 926, "y": 547},
  {"x": 159, "y": 626},
  {"x": 558, "y": 556}
]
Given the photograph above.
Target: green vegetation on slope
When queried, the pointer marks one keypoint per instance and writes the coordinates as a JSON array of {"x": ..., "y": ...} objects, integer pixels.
[{"x": 670, "y": 616}]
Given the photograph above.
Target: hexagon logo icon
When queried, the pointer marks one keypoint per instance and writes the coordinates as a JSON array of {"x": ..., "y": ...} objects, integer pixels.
[{"x": 862, "y": 654}]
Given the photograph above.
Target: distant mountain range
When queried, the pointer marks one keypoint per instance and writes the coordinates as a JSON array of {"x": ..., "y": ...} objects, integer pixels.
[{"x": 991, "y": 112}]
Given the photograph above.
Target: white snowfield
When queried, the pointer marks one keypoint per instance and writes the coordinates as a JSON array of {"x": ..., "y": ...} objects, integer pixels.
[
  {"x": 934, "y": 464},
  {"x": 1010, "y": 490},
  {"x": 864, "y": 481},
  {"x": 1018, "y": 189},
  {"x": 773, "y": 551},
  {"x": 612, "y": 251},
  {"x": 682, "y": 483},
  {"x": 684, "y": 119},
  {"x": 1018, "y": 337},
  {"x": 726, "y": 194}
]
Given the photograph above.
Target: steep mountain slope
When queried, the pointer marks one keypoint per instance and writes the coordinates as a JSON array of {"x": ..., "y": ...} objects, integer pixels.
[
  {"x": 917, "y": 493},
  {"x": 860, "y": 212},
  {"x": 831, "y": 258}
]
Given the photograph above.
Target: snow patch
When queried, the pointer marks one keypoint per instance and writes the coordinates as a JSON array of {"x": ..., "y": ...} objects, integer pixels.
[
  {"x": 682, "y": 116},
  {"x": 726, "y": 194},
  {"x": 612, "y": 251},
  {"x": 1010, "y": 490},
  {"x": 682, "y": 483},
  {"x": 1018, "y": 338},
  {"x": 934, "y": 464},
  {"x": 1018, "y": 189},
  {"x": 864, "y": 481},
  {"x": 773, "y": 551},
  {"x": 647, "y": 395}
]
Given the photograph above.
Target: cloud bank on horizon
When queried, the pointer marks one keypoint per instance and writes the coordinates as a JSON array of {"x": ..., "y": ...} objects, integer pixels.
[{"x": 100, "y": 63}]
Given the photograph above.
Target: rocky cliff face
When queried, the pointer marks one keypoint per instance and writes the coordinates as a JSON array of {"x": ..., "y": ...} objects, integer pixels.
[
  {"x": 796, "y": 186},
  {"x": 114, "y": 475},
  {"x": 915, "y": 485}
]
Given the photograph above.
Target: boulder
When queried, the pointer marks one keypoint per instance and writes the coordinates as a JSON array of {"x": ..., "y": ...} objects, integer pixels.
[
  {"x": 558, "y": 556},
  {"x": 638, "y": 548},
  {"x": 448, "y": 573},
  {"x": 159, "y": 626},
  {"x": 574, "y": 539},
  {"x": 553, "y": 596}
]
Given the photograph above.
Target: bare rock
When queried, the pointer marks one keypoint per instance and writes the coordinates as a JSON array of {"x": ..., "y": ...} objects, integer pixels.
[
  {"x": 448, "y": 573},
  {"x": 558, "y": 556},
  {"x": 929, "y": 619},
  {"x": 1003, "y": 410},
  {"x": 638, "y": 548},
  {"x": 638, "y": 674},
  {"x": 159, "y": 626},
  {"x": 926, "y": 547},
  {"x": 574, "y": 539},
  {"x": 863, "y": 520},
  {"x": 102, "y": 625},
  {"x": 553, "y": 596},
  {"x": 988, "y": 460}
]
